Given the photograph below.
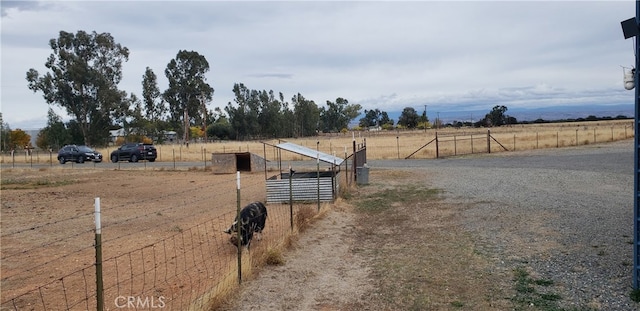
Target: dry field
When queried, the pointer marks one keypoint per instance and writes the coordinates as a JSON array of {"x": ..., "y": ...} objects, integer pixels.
[
  {"x": 161, "y": 238},
  {"x": 163, "y": 228},
  {"x": 396, "y": 144}
]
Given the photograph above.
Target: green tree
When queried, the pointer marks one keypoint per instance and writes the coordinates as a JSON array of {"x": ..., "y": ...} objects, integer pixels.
[
  {"x": 375, "y": 117},
  {"x": 85, "y": 69},
  {"x": 5, "y": 135},
  {"x": 244, "y": 117},
  {"x": 270, "y": 116},
  {"x": 306, "y": 116},
  {"x": 188, "y": 91},
  {"x": 288, "y": 119},
  {"x": 408, "y": 118},
  {"x": 154, "y": 106},
  {"x": 74, "y": 131},
  {"x": 497, "y": 116},
  {"x": 136, "y": 123},
  {"x": 336, "y": 116},
  {"x": 221, "y": 129},
  {"x": 55, "y": 134}
]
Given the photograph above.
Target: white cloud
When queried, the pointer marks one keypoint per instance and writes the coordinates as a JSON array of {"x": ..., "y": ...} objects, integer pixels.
[{"x": 386, "y": 55}]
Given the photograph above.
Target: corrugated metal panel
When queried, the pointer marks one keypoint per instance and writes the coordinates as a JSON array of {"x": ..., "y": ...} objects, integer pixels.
[
  {"x": 304, "y": 189},
  {"x": 308, "y": 152}
]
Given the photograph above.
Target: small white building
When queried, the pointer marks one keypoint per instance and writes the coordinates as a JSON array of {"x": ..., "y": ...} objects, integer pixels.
[{"x": 114, "y": 134}]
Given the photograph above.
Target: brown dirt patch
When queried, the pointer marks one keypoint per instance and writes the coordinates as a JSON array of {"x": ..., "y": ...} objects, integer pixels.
[
  {"x": 48, "y": 229},
  {"x": 410, "y": 255}
]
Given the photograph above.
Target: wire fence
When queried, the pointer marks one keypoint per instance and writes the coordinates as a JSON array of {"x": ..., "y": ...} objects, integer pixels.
[
  {"x": 448, "y": 143},
  {"x": 161, "y": 251}
]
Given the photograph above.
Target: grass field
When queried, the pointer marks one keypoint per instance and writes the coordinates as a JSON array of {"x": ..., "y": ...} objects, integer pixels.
[{"x": 395, "y": 144}]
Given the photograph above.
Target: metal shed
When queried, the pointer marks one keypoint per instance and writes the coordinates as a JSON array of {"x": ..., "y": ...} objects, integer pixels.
[{"x": 305, "y": 186}]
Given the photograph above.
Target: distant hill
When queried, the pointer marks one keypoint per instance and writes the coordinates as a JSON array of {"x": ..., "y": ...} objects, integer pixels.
[{"x": 525, "y": 114}]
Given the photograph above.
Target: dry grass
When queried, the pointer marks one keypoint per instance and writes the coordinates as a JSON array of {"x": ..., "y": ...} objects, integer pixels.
[
  {"x": 441, "y": 272},
  {"x": 394, "y": 144},
  {"x": 303, "y": 218},
  {"x": 274, "y": 257}
]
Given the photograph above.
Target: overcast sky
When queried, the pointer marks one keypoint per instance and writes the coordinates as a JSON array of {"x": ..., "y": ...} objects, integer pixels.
[{"x": 451, "y": 56}]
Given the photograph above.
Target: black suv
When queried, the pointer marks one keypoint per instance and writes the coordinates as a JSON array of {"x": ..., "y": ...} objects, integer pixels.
[
  {"x": 78, "y": 154},
  {"x": 134, "y": 152}
]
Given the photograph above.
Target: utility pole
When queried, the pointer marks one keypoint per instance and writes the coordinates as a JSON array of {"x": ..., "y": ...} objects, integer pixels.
[
  {"x": 425, "y": 118},
  {"x": 631, "y": 28}
]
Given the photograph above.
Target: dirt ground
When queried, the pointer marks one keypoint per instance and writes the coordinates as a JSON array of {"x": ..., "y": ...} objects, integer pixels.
[
  {"x": 322, "y": 272},
  {"x": 47, "y": 222},
  {"x": 394, "y": 244},
  {"x": 354, "y": 259},
  {"x": 348, "y": 259}
]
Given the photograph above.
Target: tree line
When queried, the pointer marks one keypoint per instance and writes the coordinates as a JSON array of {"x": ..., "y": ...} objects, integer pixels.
[
  {"x": 83, "y": 73},
  {"x": 84, "y": 70}
]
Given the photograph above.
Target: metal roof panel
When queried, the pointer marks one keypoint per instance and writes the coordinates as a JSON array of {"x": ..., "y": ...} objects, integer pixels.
[{"x": 311, "y": 153}]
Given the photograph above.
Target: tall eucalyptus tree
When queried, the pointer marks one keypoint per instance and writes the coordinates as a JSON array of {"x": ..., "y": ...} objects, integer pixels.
[{"x": 84, "y": 72}]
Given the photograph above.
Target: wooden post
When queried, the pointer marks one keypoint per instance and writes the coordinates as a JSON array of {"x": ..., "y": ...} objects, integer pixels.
[
  {"x": 455, "y": 146},
  {"x": 437, "y": 147},
  {"x": 488, "y": 141}
]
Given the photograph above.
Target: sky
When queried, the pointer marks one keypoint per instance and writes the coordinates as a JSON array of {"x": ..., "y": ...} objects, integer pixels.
[{"x": 447, "y": 56}]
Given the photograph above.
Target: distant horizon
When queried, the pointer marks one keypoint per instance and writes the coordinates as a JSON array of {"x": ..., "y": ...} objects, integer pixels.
[
  {"x": 456, "y": 57},
  {"x": 521, "y": 114},
  {"x": 525, "y": 114}
]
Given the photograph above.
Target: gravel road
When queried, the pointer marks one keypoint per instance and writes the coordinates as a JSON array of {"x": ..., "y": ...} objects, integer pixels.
[{"x": 565, "y": 215}]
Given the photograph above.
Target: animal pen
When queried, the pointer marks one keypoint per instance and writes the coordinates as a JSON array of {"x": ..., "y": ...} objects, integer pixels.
[
  {"x": 230, "y": 163},
  {"x": 305, "y": 184}
]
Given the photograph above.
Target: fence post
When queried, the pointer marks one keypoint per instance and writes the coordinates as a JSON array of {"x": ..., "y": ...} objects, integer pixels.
[
  {"x": 488, "y": 141},
  {"x": 537, "y": 141},
  {"x": 398, "y": 145},
  {"x": 239, "y": 231},
  {"x": 576, "y": 137},
  {"x": 594, "y": 135},
  {"x": 355, "y": 178},
  {"x": 437, "y": 147},
  {"x": 346, "y": 168},
  {"x": 99, "y": 281},
  {"x": 291, "y": 197},
  {"x": 318, "y": 174},
  {"x": 455, "y": 146},
  {"x": 514, "y": 142}
]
